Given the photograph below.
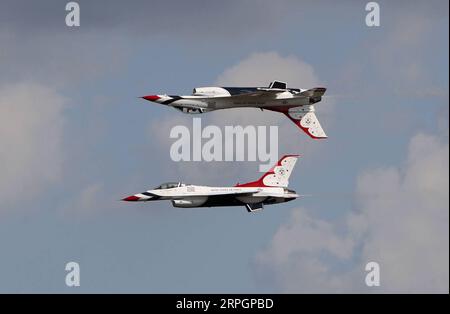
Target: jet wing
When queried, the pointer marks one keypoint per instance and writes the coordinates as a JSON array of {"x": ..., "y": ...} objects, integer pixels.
[
  {"x": 221, "y": 192},
  {"x": 261, "y": 92},
  {"x": 273, "y": 92},
  {"x": 255, "y": 92},
  {"x": 231, "y": 192}
]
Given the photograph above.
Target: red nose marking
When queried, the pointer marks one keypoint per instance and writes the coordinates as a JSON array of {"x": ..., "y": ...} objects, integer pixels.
[
  {"x": 151, "y": 97},
  {"x": 131, "y": 198}
]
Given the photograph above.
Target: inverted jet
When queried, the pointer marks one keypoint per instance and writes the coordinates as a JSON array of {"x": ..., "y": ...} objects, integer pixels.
[
  {"x": 296, "y": 103},
  {"x": 271, "y": 188}
]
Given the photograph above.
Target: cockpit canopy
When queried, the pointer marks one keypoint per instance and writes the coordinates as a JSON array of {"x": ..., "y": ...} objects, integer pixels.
[{"x": 169, "y": 185}]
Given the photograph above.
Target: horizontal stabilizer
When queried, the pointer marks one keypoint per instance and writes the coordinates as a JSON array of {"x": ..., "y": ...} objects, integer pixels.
[
  {"x": 314, "y": 92},
  {"x": 254, "y": 207},
  {"x": 278, "y": 85}
]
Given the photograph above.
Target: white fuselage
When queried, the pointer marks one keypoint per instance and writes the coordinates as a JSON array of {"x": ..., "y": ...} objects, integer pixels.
[
  {"x": 296, "y": 103},
  {"x": 270, "y": 188},
  {"x": 206, "y": 196},
  {"x": 201, "y": 104}
]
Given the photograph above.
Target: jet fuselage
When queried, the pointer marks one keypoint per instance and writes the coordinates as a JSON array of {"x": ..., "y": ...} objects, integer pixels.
[
  {"x": 271, "y": 188},
  {"x": 187, "y": 195},
  {"x": 297, "y": 104}
]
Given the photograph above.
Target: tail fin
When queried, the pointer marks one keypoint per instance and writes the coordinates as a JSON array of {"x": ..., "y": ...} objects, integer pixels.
[
  {"x": 306, "y": 119},
  {"x": 278, "y": 176}
]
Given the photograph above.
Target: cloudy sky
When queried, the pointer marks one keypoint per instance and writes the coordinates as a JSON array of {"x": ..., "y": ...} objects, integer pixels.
[{"x": 74, "y": 139}]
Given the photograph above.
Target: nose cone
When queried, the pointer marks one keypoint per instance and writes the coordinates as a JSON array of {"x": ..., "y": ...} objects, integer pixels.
[
  {"x": 151, "y": 97},
  {"x": 131, "y": 198}
]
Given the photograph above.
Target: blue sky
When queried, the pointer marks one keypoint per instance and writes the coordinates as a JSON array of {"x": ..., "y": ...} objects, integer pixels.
[{"x": 76, "y": 139}]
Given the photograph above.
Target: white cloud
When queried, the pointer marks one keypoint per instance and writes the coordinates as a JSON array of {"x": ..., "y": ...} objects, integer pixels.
[
  {"x": 301, "y": 253},
  {"x": 259, "y": 69},
  {"x": 407, "y": 213},
  {"x": 31, "y": 126},
  {"x": 401, "y": 222},
  {"x": 402, "y": 50}
]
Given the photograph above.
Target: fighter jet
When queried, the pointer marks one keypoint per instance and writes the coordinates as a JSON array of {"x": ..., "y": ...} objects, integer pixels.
[
  {"x": 271, "y": 188},
  {"x": 297, "y": 104}
]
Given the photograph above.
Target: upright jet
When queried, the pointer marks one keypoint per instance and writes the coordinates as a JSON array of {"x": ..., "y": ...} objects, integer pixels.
[
  {"x": 271, "y": 188},
  {"x": 297, "y": 104}
]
